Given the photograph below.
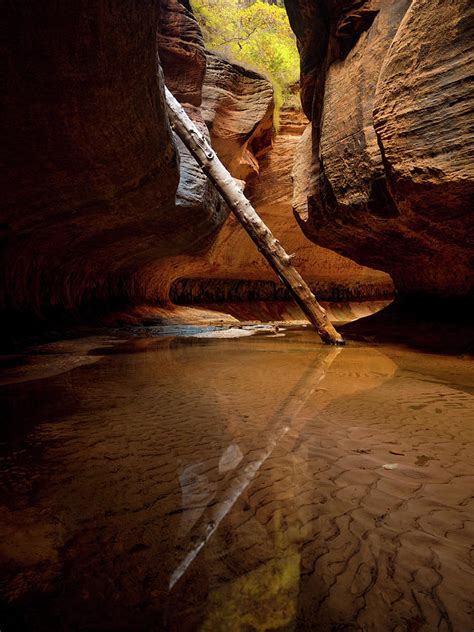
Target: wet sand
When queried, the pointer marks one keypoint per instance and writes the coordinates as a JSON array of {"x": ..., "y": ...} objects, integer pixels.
[{"x": 261, "y": 483}]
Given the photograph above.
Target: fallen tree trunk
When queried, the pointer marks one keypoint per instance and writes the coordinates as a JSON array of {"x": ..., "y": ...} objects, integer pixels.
[{"x": 270, "y": 247}]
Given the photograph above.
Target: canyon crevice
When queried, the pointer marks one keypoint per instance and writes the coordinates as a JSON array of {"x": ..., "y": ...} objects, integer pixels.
[
  {"x": 179, "y": 449},
  {"x": 240, "y": 120},
  {"x": 102, "y": 205}
]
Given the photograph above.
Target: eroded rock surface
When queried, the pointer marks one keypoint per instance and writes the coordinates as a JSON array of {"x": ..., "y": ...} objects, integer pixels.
[
  {"x": 183, "y": 58},
  {"x": 90, "y": 192},
  {"x": 181, "y": 50},
  {"x": 386, "y": 173},
  {"x": 101, "y": 203},
  {"x": 238, "y": 108},
  {"x": 88, "y": 150},
  {"x": 232, "y": 269}
]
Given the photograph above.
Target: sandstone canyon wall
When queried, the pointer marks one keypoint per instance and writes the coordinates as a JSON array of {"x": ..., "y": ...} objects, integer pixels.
[
  {"x": 232, "y": 268},
  {"x": 101, "y": 203},
  {"x": 385, "y": 173},
  {"x": 238, "y": 108},
  {"x": 91, "y": 171}
]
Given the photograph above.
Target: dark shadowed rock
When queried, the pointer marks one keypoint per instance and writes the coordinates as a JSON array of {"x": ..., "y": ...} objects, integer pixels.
[{"x": 91, "y": 170}]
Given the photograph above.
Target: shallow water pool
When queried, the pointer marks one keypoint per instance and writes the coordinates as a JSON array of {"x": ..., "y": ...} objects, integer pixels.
[{"x": 261, "y": 483}]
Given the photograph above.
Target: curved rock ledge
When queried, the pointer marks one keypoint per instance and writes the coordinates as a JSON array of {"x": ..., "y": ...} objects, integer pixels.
[
  {"x": 385, "y": 175},
  {"x": 232, "y": 268},
  {"x": 98, "y": 197}
]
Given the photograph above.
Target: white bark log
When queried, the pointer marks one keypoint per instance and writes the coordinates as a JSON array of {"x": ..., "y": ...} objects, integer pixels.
[{"x": 270, "y": 247}]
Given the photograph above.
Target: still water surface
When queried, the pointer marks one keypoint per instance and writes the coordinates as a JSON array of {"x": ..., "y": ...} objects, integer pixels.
[{"x": 260, "y": 483}]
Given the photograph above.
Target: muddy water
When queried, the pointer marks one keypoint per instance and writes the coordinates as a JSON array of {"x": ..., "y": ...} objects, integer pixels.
[{"x": 259, "y": 483}]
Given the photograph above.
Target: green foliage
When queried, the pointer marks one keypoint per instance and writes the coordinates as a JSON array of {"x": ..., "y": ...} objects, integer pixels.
[{"x": 254, "y": 33}]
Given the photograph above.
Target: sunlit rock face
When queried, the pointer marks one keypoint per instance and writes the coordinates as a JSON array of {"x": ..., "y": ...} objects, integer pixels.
[
  {"x": 238, "y": 108},
  {"x": 101, "y": 203},
  {"x": 385, "y": 173},
  {"x": 271, "y": 193},
  {"x": 233, "y": 269},
  {"x": 90, "y": 192}
]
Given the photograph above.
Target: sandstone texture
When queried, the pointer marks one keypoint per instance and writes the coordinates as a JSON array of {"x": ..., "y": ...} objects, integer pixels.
[
  {"x": 240, "y": 123},
  {"x": 102, "y": 205},
  {"x": 87, "y": 149},
  {"x": 238, "y": 108},
  {"x": 385, "y": 173},
  {"x": 90, "y": 177},
  {"x": 181, "y": 51}
]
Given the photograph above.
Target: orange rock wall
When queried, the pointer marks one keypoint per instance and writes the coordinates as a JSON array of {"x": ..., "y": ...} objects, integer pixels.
[
  {"x": 385, "y": 173},
  {"x": 240, "y": 121},
  {"x": 101, "y": 204}
]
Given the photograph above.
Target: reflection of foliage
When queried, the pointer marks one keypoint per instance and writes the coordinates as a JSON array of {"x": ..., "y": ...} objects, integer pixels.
[
  {"x": 264, "y": 599},
  {"x": 254, "y": 33}
]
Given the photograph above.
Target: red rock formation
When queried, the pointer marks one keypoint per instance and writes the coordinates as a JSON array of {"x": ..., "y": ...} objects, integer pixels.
[
  {"x": 183, "y": 59},
  {"x": 181, "y": 51},
  {"x": 91, "y": 172},
  {"x": 232, "y": 269},
  {"x": 386, "y": 175},
  {"x": 238, "y": 109},
  {"x": 97, "y": 195}
]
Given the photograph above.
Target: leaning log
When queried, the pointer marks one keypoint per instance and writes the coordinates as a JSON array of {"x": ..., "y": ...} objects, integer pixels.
[{"x": 270, "y": 247}]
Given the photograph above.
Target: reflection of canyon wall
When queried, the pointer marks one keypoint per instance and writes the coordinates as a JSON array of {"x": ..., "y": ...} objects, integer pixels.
[{"x": 385, "y": 174}]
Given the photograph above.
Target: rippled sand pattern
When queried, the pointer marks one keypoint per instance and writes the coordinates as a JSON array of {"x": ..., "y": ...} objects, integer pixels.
[{"x": 264, "y": 483}]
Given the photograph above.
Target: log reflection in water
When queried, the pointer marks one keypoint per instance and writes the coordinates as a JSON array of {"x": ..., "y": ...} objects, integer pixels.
[{"x": 234, "y": 486}]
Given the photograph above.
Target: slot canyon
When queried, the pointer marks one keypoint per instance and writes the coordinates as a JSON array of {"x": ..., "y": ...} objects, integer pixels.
[{"x": 179, "y": 449}]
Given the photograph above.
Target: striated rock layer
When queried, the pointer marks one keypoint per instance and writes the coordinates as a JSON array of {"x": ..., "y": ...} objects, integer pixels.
[
  {"x": 241, "y": 130},
  {"x": 90, "y": 182},
  {"x": 100, "y": 202},
  {"x": 385, "y": 174}
]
